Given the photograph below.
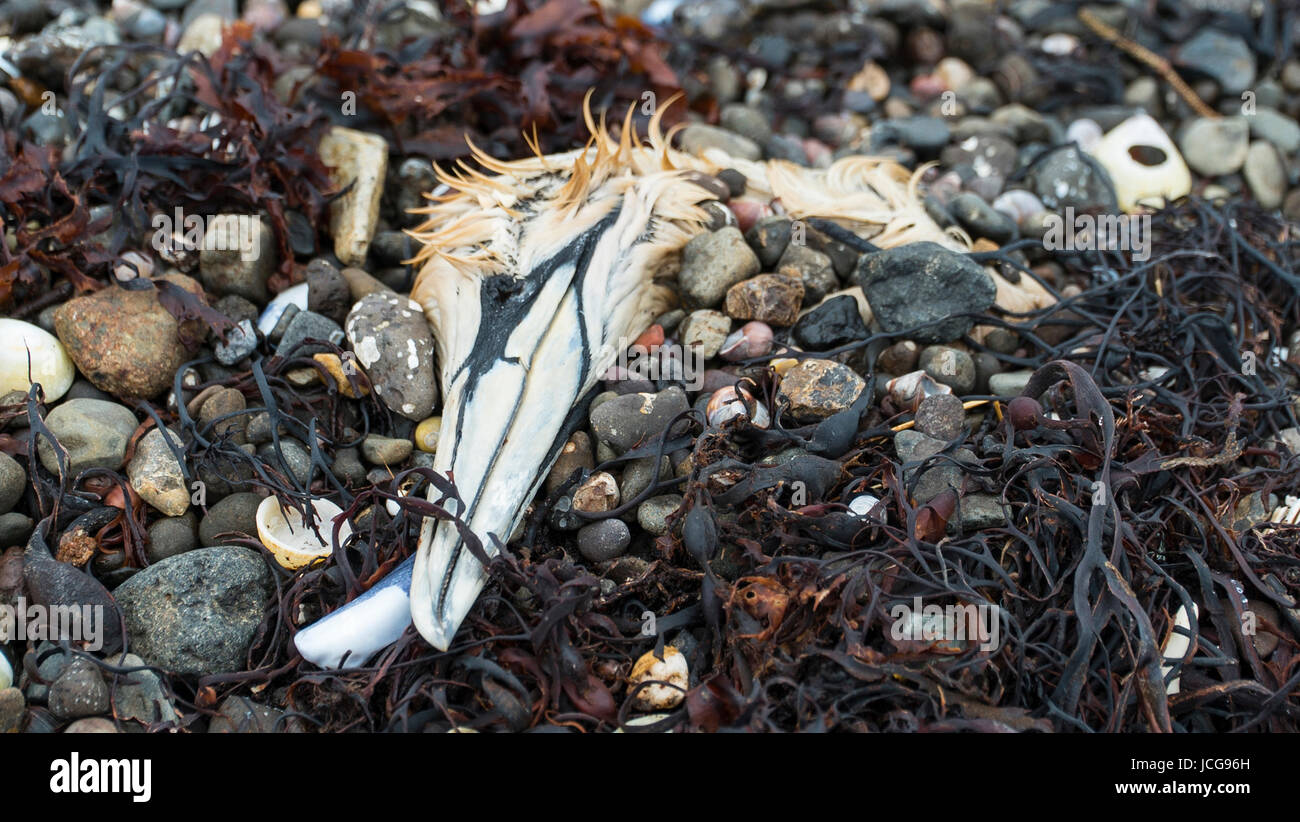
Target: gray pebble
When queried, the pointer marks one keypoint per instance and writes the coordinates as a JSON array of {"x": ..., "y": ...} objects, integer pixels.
[
  {"x": 13, "y": 480},
  {"x": 652, "y": 515},
  {"x": 604, "y": 540},
  {"x": 386, "y": 451},
  {"x": 236, "y": 513}
]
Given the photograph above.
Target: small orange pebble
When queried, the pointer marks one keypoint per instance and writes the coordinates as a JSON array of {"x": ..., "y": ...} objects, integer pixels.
[
  {"x": 984, "y": 244},
  {"x": 651, "y": 338}
]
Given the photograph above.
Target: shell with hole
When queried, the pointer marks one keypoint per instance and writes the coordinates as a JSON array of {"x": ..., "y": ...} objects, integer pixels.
[
  {"x": 296, "y": 544},
  {"x": 1143, "y": 163}
]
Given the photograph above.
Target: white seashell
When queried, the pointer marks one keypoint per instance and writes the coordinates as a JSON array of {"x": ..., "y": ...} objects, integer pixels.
[
  {"x": 671, "y": 669},
  {"x": 293, "y": 543},
  {"x": 1143, "y": 163},
  {"x": 1175, "y": 647},
  {"x": 863, "y": 504},
  {"x": 293, "y": 295},
  {"x": 50, "y": 364},
  {"x": 6, "y": 672}
]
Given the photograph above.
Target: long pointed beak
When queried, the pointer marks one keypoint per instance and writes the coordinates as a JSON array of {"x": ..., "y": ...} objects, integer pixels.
[{"x": 537, "y": 351}]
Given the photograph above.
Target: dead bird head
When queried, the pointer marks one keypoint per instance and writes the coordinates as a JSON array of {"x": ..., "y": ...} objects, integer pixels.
[{"x": 536, "y": 272}]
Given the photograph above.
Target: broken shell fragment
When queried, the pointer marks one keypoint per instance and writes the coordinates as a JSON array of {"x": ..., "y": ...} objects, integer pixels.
[
  {"x": 296, "y": 544},
  {"x": 672, "y": 670},
  {"x": 727, "y": 404},
  {"x": 910, "y": 389},
  {"x": 1288, "y": 513},
  {"x": 1143, "y": 163}
]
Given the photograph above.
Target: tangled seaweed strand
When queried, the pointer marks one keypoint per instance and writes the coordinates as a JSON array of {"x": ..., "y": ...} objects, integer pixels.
[{"x": 1121, "y": 506}]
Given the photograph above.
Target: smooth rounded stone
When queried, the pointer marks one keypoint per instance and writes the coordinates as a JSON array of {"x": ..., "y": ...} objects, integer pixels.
[
  {"x": 197, "y": 612},
  {"x": 1214, "y": 147},
  {"x": 125, "y": 342},
  {"x": 1277, "y": 128},
  {"x": 1002, "y": 340},
  {"x": 986, "y": 365},
  {"x": 604, "y": 540},
  {"x": 13, "y": 481},
  {"x": 697, "y": 138},
  {"x": 769, "y": 238},
  {"x": 392, "y": 340},
  {"x": 899, "y": 358},
  {"x": 223, "y": 411},
  {"x": 13, "y": 710},
  {"x": 95, "y": 434},
  {"x": 240, "y": 342},
  {"x": 627, "y": 420},
  {"x": 712, "y": 263},
  {"x": 923, "y": 283},
  {"x": 237, "y": 256},
  {"x": 1009, "y": 383},
  {"x": 953, "y": 368},
  {"x": 913, "y": 446},
  {"x": 638, "y": 474},
  {"x": 981, "y": 219},
  {"x": 816, "y": 389},
  {"x": 941, "y": 416},
  {"x": 1224, "y": 57},
  {"x": 1069, "y": 178},
  {"x": 769, "y": 298},
  {"x": 652, "y": 515},
  {"x": 705, "y": 330},
  {"x": 236, "y": 513},
  {"x": 239, "y": 714},
  {"x": 170, "y": 536},
  {"x": 15, "y": 528},
  {"x": 327, "y": 292},
  {"x": 386, "y": 451},
  {"x": 925, "y": 135},
  {"x": 1019, "y": 204},
  {"x": 835, "y": 322},
  {"x": 1265, "y": 174},
  {"x": 307, "y": 325},
  {"x": 574, "y": 456},
  {"x": 258, "y": 428},
  {"x": 157, "y": 476},
  {"x": 810, "y": 267},
  {"x": 297, "y": 458},
  {"x": 347, "y": 466},
  {"x": 979, "y": 511},
  {"x": 79, "y": 691},
  {"x": 746, "y": 121},
  {"x": 238, "y": 308},
  {"x": 26, "y": 348},
  {"x": 988, "y": 155},
  {"x": 1085, "y": 133}
]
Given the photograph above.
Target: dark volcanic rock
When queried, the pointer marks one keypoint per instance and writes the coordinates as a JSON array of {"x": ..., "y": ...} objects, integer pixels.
[
  {"x": 921, "y": 283},
  {"x": 834, "y": 323}
]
